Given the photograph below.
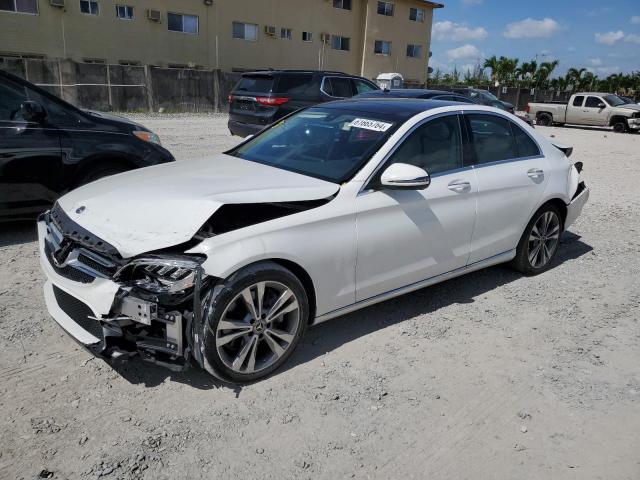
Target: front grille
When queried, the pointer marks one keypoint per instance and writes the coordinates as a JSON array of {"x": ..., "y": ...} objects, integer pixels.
[
  {"x": 78, "y": 311},
  {"x": 66, "y": 271},
  {"x": 98, "y": 267}
]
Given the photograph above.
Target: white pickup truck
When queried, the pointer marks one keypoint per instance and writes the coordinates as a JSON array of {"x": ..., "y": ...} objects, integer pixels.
[{"x": 596, "y": 109}]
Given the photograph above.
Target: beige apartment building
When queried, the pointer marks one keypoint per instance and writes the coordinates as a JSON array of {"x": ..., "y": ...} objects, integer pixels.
[{"x": 364, "y": 37}]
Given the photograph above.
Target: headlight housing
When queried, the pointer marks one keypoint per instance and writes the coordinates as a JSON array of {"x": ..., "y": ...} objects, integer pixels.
[
  {"x": 160, "y": 275},
  {"x": 147, "y": 136}
]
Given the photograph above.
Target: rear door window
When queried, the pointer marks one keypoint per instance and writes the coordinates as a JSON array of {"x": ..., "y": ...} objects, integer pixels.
[
  {"x": 492, "y": 138},
  {"x": 577, "y": 102},
  {"x": 526, "y": 146},
  {"x": 258, "y": 83},
  {"x": 294, "y": 85},
  {"x": 338, "y": 87}
]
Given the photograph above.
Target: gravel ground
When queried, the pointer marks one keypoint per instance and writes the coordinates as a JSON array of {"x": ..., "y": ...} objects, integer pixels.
[{"x": 491, "y": 375}]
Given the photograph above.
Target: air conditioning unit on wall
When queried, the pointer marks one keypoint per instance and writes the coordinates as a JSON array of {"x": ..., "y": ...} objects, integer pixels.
[
  {"x": 57, "y": 3},
  {"x": 154, "y": 15},
  {"x": 270, "y": 30},
  {"x": 325, "y": 37}
]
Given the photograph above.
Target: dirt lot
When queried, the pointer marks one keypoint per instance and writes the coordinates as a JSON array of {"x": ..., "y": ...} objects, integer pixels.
[{"x": 487, "y": 376}]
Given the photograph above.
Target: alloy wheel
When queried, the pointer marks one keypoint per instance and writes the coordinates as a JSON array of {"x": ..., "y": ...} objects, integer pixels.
[
  {"x": 543, "y": 239},
  {"x": 258, "y": 327}
]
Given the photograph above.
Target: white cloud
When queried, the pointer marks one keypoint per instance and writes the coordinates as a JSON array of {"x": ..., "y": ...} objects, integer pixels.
[
  {"x": 465, "y": 52},
  {"x": 596, "y": 62},
  {"x": 609, "y": 38},
  {"x": 472, "y": 2},
  {"x": 635, "y": 20},
  {"x": 531, "y": 28},
  {"x": 457, "y": 32},
  {"x": 632, "y": 39}
]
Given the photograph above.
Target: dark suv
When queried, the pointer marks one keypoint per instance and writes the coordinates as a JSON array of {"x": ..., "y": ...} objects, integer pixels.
[
  {"x": 48, "y": 147},
  {"x": 260, "y": 98}
]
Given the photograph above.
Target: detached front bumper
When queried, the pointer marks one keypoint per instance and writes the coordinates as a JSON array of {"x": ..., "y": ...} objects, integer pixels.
[
  {"x": 107, "y": 317},
  {"x": 633, "y": 123}
]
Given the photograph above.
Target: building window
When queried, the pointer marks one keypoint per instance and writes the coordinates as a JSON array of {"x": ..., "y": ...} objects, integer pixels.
[
  {"x": 97, "y": 61},
  {"x": 385, "y": 8},
  {"x": 125, "y": 12},
  {"x": 130, "y": 63},
  {"x": 382, "y": 47},
  {"x": 307, "y": 37},
  {"x": 20, "y": 6},
  {"x": 343, "y": 4},
  {"x": 90, "y": 7},
  {"x": 416, "y": 14},
  {"x": 340, "y": 43},
  {"x": 245, "y": 31},
  {"x": 414, "y": 51},
  {"x": 285, "y": 33},
  {"x": 177, "y": 22}
]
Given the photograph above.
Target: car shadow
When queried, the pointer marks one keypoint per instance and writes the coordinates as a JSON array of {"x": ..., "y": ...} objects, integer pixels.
[
  {"x": 18, "y": 232},
  {"x": 333, "y": 334}
]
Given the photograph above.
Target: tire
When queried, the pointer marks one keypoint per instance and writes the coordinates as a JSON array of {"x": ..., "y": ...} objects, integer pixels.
[
  {"x": 531, "y": 258},
  {"x": 99, "y": 171},
  {"x": 253, "y": 346},
  {"x": 544, "y": 120},
  {"x": 620, "y": 126}
]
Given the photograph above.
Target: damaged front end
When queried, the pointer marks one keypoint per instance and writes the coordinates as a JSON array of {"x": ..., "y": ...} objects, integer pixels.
[{"x": 156, "y": 306}]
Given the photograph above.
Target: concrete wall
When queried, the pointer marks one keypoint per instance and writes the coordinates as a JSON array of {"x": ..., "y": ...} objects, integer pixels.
[{"x": 69, "y": 34}]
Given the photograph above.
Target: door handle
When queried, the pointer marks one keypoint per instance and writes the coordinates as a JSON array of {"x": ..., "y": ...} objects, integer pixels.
[
  {"x": 535, "y": 173},
  {"x": 459, "y": 186}
]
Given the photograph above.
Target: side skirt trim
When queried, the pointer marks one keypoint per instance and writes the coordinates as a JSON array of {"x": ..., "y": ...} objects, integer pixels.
[{"x": 479, "y": 265}]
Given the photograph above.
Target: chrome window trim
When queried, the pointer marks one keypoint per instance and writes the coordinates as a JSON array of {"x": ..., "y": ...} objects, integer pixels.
[
  {"x": 511, "y": 122},
  {"x": 365, "y": 185}
]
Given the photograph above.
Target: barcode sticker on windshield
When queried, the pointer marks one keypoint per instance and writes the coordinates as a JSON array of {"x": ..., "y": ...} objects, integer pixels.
[{"x": 367, "y": 124}]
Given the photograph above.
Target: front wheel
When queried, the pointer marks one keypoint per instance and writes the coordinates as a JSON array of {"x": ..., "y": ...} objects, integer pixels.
[
  {"x": 539, "y": 242},
  {"x": 620, "y": 126},
  {"x": 254, "y": 321}
]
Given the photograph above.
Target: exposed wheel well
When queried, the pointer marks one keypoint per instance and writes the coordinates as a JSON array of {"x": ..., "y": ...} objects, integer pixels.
[
  {"x": 540, "y": 114},
  {"x": 560, "y": 205},
  {"x": 617, "y": 119},
  {"x": 304, "y": 277}
]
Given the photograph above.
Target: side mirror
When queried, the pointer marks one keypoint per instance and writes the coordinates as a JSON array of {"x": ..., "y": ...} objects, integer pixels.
[
  {"x": 601, "y": 105},
  {"x": 402, "y": 176},
  {"x": 32, "y": 111}
]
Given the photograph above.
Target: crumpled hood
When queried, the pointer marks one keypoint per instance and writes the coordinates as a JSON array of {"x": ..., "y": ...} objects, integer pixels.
[
  {"x": 630, "y": 106},
  {"x": 117, "y": 118},
  {"x": 165, "y": 205}
]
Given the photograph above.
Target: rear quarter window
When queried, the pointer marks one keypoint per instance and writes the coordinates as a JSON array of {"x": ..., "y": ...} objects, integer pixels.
[
  {"x": 261, "y": 84},
  {"x": 525, "y": 144},
  {"x": 298, "y": 85}
]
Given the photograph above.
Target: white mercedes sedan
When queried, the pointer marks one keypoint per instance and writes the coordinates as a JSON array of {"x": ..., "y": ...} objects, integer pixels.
[{"x": 224, "y": 262}]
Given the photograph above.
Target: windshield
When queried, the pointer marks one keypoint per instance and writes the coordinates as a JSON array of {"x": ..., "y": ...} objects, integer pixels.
[
  {"x": 614, "y": 100},
  {"x": 331, "y": 144},
  {"x": 489, "y": 96}
]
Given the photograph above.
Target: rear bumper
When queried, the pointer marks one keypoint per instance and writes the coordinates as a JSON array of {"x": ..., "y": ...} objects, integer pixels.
[
  {"x": 243, "y": 129},
  {"x": 574, "y": 209}
]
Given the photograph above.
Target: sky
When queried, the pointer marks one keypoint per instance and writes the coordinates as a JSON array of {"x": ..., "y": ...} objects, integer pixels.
[{"x": 602, "y": 36}]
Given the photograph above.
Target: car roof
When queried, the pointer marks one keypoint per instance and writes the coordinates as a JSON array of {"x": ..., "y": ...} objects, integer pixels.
[
  {"x": 280, "y": 72},
  {"x": 404, "y": 92},
  {"x": 400, "y": 109}
]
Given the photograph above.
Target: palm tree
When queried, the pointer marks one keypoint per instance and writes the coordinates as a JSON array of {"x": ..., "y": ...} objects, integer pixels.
[{"x": 492, "y": 63}]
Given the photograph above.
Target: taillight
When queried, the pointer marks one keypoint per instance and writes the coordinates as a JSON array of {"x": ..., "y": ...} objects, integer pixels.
[
  {"x": 272, "y": 101},
  {"x": 527, "y": 108},
  {"x": 230, "y": 98}
]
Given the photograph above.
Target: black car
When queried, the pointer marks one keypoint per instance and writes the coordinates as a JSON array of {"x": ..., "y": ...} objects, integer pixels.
[
  {"x": 48, "y": 147},
  {"x": 263, "y": 97},
  {"x": 416, "y": 93},
  {"x": 484, "y": 97}
]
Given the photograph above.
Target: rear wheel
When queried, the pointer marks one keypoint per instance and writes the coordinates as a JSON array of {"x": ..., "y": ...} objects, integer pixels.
[
  {"x": 544, "y": 120},
  {"x": 539, "y": 242},
  {"x": 254, "y": 321}
]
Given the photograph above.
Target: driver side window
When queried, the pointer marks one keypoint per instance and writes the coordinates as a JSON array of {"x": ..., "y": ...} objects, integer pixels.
[
  {"x": 435, "y": 146},
  {"x": 11, "y": 97}
]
